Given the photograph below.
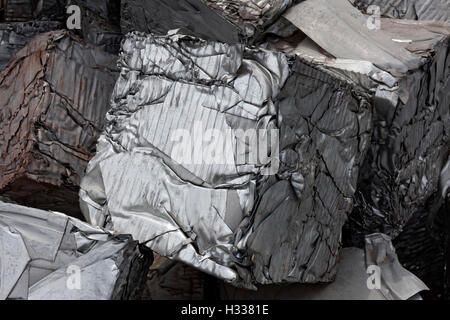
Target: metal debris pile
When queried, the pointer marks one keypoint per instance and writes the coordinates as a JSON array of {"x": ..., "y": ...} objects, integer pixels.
[{"x": 143, "y": 123}]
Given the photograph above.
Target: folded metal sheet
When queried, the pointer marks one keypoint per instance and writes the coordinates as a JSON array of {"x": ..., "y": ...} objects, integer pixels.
[
  {"x": 15, "y": 36},
  {"x": 219, "y": 20},
  {"x": 411, "y": 106},
  {"x": 53, "y": 99},
  {"x": 240, "y": 220},
  {"x": 354, "y": 280},
  {"x": 434, "y": 10},
  {"x": 49, "y": 256}
]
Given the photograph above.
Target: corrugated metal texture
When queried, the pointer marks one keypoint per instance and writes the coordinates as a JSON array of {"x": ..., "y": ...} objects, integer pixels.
[
  {"x": 49, "y": 256},
  {"x": 434, "y": 10},
  {"x": 229, "y": 220},
  {"x": 50, "y": 129}
]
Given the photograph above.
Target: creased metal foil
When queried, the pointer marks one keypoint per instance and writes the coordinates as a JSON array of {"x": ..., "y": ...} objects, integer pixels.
[{"x": 49, "y": 256}]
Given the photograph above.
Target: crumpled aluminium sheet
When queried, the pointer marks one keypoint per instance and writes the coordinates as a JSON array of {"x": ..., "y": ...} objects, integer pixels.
[
  {"x": 434, "y": 10},
  {"x": 15, "y": 36},
  {"x": 229, "y": 220},
  {"x": 41, "y": 251},
  {"x": 227, "y": 21},
  {"x": 411, "y": 105},
  {"x": 351, "y": 281},
  {"x": 53, "y": 99}
]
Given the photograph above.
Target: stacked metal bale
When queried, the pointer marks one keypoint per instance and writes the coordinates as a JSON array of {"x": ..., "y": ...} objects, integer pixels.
[
  {"x": 53, "y": 99},
  {"x": 228, "y": 21}
]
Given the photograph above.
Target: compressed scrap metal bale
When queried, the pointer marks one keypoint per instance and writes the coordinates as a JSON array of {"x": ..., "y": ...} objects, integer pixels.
[
  {"x": 229, "y": 218},
  {"x": 49, "y": 256},
  {"x": 15, "y": 36},
  {"x": 27, "y": 10},
  {"x": 434, "y": 10},
  {"x": 410, "y": 143},
  {"x": 53, "y": 99},
  {"x": 406, "y": 68},
  {"x": 422, "y": 246},
  {"x": 351, "y": 283},
  {"x": 220, "y": 20}
]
